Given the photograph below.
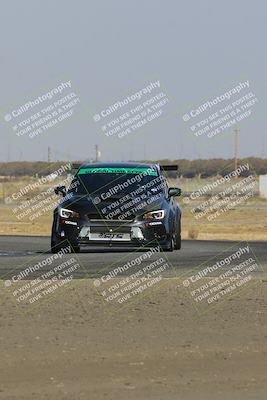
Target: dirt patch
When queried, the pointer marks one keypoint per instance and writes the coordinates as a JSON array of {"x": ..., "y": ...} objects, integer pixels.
[{"x": 159, "y": 347}]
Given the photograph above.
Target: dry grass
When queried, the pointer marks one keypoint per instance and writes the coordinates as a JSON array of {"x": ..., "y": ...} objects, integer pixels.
[
  {"x": 245, "y": 222},
  {"x": 193, "y": 233}
]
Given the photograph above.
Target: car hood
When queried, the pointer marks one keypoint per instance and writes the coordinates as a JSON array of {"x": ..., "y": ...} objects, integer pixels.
[{"x": 84, "y": 205}]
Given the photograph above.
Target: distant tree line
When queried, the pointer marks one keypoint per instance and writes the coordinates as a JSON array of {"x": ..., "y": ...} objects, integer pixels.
[
  {"x": 215, "y": 166},
  {"x": 187, "y": 168},
  {"x": 29, "y": 168}
]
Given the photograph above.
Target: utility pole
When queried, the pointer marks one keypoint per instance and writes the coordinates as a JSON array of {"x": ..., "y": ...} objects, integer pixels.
[
  {"x": 97, "y": 153},
  {"x": 49, "y": 154},
  {"x": 237, "y": 147}
]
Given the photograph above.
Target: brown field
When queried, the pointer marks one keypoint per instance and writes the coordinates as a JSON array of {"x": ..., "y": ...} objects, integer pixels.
[
  {"x": 247, "y": 221},
  {"x": 158, "y": 348}
]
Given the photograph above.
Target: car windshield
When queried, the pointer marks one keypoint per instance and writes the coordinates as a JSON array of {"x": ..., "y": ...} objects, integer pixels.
[{"x": 115, "y": 182}]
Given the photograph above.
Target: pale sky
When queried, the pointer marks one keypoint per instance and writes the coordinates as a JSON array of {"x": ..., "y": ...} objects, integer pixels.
[{"x": 110, "y": 49}]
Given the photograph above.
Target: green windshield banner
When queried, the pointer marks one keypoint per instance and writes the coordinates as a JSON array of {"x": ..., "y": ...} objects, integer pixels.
[{"x": 113, "y": 170}]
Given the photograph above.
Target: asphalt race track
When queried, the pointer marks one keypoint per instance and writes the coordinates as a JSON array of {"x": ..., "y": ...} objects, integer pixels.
[{"x": 18, "y": 252}]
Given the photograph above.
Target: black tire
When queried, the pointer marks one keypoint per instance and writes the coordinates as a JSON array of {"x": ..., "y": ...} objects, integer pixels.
[
  {"x": 178, "y": 240},
  {"x": 75, "y": 249},
  {"x": 170, "y": 245},
  {"x": 57, "y": 246}
]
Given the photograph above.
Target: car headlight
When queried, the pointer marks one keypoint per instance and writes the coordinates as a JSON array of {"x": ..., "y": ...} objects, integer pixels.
[
  {"x": 64, "y": 213},
  {"x": 159, "y": 214}
]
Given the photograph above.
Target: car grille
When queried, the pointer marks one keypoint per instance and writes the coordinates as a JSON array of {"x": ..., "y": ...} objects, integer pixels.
[
  {"x": 103, "y": 228},
  {"x": 101, "y": 217}
]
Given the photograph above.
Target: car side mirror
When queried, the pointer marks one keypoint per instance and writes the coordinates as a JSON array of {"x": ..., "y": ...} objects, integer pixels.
[
  {"x": 173, "y": 192},
  {"x": 60, "y": 190}
]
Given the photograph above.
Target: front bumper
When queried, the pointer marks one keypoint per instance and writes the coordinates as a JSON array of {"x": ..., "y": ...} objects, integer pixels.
[{"x": 114, "y": 233}]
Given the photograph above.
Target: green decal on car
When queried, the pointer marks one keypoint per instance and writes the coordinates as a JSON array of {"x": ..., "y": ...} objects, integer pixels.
[{"x": 135, "y": 171}]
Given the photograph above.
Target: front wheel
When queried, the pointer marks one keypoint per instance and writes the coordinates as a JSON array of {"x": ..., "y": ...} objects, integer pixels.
[
  {"x": 178, "y": 241},
  {"x": 169, "y": 246},
  {"x": 57, "y": 246},
  {"x": 75, "y": 249}
]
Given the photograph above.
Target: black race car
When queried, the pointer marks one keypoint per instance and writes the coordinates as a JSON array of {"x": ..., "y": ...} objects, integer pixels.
[{"x": 117, "y": 204}]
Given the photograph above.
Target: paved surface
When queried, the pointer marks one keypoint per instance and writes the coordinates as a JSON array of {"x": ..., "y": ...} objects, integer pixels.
[{"x": 19, "y": 252}]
